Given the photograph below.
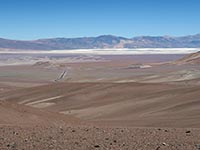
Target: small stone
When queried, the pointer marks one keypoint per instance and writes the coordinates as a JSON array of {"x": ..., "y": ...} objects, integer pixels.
[
  {"x": 76, "y": 143},
  {"x": 164, "y": 144},
  {"x": 26, "y": 140},
  {"x": 13, "y": 145},
  {"x": 96, "y": 146},
  {"x": 15, "y": 133},
  {"x": 197, "y": 147},
  {"x": 158, "y": 148},
  {"x": 188, "y": 131}
]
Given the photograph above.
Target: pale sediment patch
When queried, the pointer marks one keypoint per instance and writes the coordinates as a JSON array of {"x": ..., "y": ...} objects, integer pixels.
[
  {"x": 124, "y": 81},
  {"x": 42, "y": 105},
  {"x": 43, "y": 100},
  {"x": 25, "y": 101},
  {"x": 116, "y": 51}
]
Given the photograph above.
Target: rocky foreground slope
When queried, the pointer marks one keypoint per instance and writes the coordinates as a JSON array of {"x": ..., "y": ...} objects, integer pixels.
[{"x": 24, "y": 128}]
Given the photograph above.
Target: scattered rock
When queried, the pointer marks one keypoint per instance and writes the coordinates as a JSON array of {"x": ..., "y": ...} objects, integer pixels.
[
  {"x": 197, "y": 146},
  {"x": 164, "y": 144},
  {"x": 76, "y": 143},
  {"x": 12, "y": 145},
  {"x": 15, "y": 133},
  {"x": 106, "y": 139},
  {"x": 96, "y": 146},
  {"x": 51, "y": 146},
  {"x": 158, "y": 148},
  {"x": 25, "y": 140},
  {"x": 188, "y": 131}
]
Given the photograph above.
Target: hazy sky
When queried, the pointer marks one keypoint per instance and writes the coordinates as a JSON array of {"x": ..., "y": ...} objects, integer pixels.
[{"x": 33, "y": 19}]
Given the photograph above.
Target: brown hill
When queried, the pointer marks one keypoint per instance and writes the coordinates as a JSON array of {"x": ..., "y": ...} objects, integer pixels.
[
  {"x": 190, "y": 59},
  {"x": 15, "y": 114},
  {"x": 138, "y": 104}
]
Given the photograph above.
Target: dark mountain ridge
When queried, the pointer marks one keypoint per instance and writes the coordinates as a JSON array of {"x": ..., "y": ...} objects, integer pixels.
[{"x": 103, "y": 42}]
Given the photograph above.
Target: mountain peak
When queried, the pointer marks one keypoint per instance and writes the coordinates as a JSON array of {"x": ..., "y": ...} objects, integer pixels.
[{"x": 104, "y": 41}]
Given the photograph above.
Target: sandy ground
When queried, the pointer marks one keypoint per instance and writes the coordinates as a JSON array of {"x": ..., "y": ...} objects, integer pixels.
[
  {"x": 138, "y": 104},
  {"x": 90, "y": 138},
  {"x": 29, "y": 128},
  {"x": 108, "y": 104}
]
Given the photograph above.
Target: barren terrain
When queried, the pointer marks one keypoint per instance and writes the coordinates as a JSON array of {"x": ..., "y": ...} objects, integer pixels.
[{"x": 126, "y": 102}]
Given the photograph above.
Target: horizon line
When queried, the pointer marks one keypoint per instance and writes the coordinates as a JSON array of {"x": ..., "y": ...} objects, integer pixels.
[{"x": 75, "y": 37}]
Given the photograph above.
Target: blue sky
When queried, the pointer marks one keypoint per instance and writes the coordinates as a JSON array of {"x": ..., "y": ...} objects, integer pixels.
[{"x": 33, "y": 19}]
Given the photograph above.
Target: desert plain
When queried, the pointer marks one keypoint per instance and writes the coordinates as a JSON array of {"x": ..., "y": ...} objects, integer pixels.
[{"x": 99, "y": 102}]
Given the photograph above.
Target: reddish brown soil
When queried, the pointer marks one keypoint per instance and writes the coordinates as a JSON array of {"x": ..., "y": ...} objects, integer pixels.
[
  {"x": 189, "y": 59},
  {"x": 100, "y": 138},
  {"x": 160, "y": 113}
]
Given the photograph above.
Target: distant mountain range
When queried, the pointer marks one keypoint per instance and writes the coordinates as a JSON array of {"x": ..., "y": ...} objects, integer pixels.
[{"x": 103, "y": 42}]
